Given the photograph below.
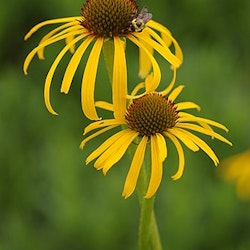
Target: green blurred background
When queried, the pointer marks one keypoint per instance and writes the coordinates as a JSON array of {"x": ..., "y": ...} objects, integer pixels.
[{"x": 50, "y": 200}]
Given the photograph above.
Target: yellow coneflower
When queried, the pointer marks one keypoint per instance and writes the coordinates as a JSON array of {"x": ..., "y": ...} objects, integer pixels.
[
  {"x": 154, "y": 119},
  {"x": 103, "y": 20},
  {"x": 237, "y": 169}
]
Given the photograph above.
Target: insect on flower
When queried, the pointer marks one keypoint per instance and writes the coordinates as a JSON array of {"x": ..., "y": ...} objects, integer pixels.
[{"x": 138, "y": 24}]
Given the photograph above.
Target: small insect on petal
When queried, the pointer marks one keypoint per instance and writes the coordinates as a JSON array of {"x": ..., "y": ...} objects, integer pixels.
[{"x": 138, "y": 23}]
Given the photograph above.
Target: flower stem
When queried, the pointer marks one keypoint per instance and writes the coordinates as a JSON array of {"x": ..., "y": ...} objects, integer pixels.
[
  {"x": 108, "y": 52},
  {"x": 149, "y": 237}
]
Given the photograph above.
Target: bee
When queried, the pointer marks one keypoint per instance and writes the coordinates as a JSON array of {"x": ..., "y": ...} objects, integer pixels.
[{"x": 138, "y": 23}]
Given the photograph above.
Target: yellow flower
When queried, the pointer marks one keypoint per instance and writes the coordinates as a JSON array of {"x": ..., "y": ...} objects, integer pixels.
[
  {"x": 154, "y": 119},
  {"x": 237, "y": 169},
  {"x": 104, "y": 20}
]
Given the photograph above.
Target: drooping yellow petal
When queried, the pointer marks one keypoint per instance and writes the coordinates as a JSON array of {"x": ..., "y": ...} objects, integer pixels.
[
  {"x": 162, "y": 147},
  {"x": 119, "y": 82},
  {"x": 88, "y": 81},
  {"x": 156, "y": 168},
  {"x": 202, "y": 130},
  {"x": 156, "y": 70},
  {"x": 200, "y": 119},
  {"x": 135, "y": 91},
  {"x": 167, "y": 37},
  {"x": 43, "y": 45},
  {"x": 171, "y": 84},
  {"x": 51, "y": 73},
  {"x": 135, "y": 168},
  {"x": 200, "y": 143},
  {"x": 105, "y": 145},
  {"x": 175, "y": 93},
  {"x": 202, "y": 123},
  {"x": 104, "y": 105},
  {"x": 144, "y": 61},
  {"x": 52, "y": 32},
  {"x": 74, "y": 63},
  {"x": 117, "y": 150},
  {"x": 187, "y": 105},
  {"x": 103, "y": 123},
  {"x": 52, "y": 21},
  {"x": 180, "y": 134},
  {"x": 99, "y": 132},
  {"x": 180, "y": 152},
  {"x": 162, "y": 50}
]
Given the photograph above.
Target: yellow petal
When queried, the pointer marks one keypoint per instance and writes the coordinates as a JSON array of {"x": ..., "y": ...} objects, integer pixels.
[
  {"x": 162, "y": 147},
  {"x": 180, "y": 134},
  {"x": 88, "y": 81},
  {"x": 43, "y": 45},
  {"x": 200, "y": 143},
  {"x": 187, "y": 105},
  {"x": 156, "y": 168},
  {"x": 175, "y": 93},
  {"x": 156, "y": 70},
  {"x": 135, "y": 168},
  {"x": 104, "y": 146},
  {"x": 171, "y": 84},
  {"x": 180, "y": 152},
  {"x": 52, "y": 21},
  {"x": 200, "y": 119},
  {"x": 51, "y": 73},
  {"x": 74, "y": 63},
  {"x": 51, "y": 33},
  {"x": 144, "y": 62},
  {"x": 203, "y": 131},
  {"x": 119, "y": 82},
  {"x": 117, "y": 150},
  {"x": 99, "y": 132},
  {"x": 167, "y": 38},
  {"x": 104, "y": 105},
  {"x": 162, "y": 50},
  {"x": 103, "y": 123}
]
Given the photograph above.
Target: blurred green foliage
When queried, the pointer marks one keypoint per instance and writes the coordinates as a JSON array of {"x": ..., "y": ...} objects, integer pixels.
[{"x": 50, "y": 200}]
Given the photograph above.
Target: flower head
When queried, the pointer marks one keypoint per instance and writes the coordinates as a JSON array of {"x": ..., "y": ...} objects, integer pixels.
[
  {"x": 152, "y": 119},
  {"x": 103, "y": 20},
  {"x": 237, "y": 169}
]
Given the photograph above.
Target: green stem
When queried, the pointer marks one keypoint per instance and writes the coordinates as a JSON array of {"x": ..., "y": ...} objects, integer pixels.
[
  {"x": 148, "y": 229},
  {"x": 108, "y": 52}
]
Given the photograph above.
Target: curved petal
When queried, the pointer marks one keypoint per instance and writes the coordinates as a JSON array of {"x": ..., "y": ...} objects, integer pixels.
[
  {"x": 144, "y": 62},
  {"x": 156, "y": 70},
  {"x": 51, "y": 73},
  {"x": 105, "y": 145},
  {"x": 135, "y": 168},
  {"x": 119, "y": 81},
  {"x": 104, "y": 105},
  {"x": 156, "y": 168},
  {"x": 99, "y": 132},
  {"x": 180, "y": 154},
  {"x": 187, "y": 105},
  {"x": 201, "y": 144},
  {"x": 175, "y": 93},
  {"x": 202, "y": 130},
  {"x": 52, "y": 33},
  {"x": 88, "y": 81},
  {"x": 115, "y": 152},
  {"x": 200, "y": 119},
  {"x": 102, "y": 123},
  {"x": 167, "y": 37},
  {"x": 73, "y": 64},
  {"x": 42, "y": 46},
  {"x": 171, "y": 84},
  {"x": 180, "y": 134},
  {"x": 164, "y": 51},
  {"x": 52, "y": 21}
]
